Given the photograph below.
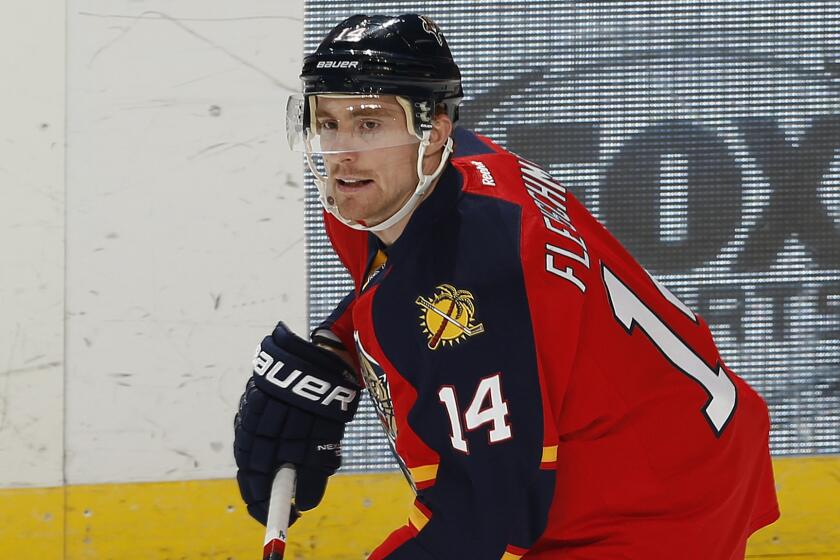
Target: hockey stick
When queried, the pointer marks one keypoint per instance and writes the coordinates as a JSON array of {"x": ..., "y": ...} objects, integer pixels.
[
  {"x": 279, "y": 507},
  {"x": 469, "y": 331}
]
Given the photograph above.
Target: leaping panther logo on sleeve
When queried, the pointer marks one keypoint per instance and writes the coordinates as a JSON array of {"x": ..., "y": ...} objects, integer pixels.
[{"x": 377, "y": 385}]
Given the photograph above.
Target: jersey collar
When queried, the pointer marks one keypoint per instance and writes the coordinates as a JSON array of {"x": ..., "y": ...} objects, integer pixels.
[{"x": 438, "y": 204}]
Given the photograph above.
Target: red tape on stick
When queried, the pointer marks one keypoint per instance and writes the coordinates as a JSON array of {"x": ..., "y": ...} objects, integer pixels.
[{"x": 274, "y": 550}]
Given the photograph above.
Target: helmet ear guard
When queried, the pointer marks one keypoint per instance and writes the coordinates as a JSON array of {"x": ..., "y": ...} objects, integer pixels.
[
  {"x": 424, "y": 111},
  {"x": 416, "y": 115}
]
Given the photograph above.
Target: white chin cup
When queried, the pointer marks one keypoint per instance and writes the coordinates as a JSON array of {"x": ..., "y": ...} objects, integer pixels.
[{"x": 329, "y": 203}]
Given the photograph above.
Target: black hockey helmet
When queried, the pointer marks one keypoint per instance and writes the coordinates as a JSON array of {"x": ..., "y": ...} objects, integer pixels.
[{"x": 405, "y": 55}]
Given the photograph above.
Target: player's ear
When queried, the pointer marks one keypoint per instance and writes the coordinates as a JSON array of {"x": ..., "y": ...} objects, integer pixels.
[{"x": 441, "y": 131}]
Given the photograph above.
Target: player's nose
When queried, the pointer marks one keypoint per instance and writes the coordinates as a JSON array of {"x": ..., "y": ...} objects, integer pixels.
[
  {"x": 346, "y": 157},
  {"x": 337, "y": 160}
]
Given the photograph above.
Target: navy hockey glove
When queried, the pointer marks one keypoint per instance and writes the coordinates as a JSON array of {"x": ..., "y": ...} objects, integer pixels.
[{"x": 293, "y": 410}]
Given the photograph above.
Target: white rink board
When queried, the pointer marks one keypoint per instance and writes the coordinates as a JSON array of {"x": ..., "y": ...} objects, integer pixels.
[
  {"x": 184, "y": 227},
  {"x": 31, "y": 242}
]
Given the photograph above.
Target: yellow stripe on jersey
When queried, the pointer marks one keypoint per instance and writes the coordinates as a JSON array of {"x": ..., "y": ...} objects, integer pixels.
[
  {"x": 378, "y": 260},
  {"x": 549, "y": 454},
  {"x": 424, "y": 473},
  {"x": 417, "y": 518},
  {"x": 509, "y": 556}
]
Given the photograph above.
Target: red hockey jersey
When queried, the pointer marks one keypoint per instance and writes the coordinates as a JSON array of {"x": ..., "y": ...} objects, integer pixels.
[{"x": 546, "y": 397}]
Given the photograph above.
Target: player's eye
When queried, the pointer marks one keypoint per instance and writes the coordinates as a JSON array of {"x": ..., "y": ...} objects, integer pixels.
[
  {"x": 369, "y": 126},
  {"x": 327, "y": 125}
]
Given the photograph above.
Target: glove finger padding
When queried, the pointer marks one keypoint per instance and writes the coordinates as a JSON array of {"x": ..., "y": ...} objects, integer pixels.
[
  {"x": 259, "y": 511},
  {"x": 293, "y": 410},
  {"x": 311, "y": 485},
  {"x": 297, "y": 437}
]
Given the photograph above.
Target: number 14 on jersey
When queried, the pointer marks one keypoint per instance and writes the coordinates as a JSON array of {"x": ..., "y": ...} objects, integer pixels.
[{"x": 487, "y": 407}]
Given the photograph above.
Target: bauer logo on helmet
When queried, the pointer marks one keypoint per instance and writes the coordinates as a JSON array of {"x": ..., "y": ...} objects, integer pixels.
[{"x": 338, "y": 64}]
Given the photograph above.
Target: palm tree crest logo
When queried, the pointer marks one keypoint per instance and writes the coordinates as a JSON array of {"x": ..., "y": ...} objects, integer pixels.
[{"x": 448, "y": 316}]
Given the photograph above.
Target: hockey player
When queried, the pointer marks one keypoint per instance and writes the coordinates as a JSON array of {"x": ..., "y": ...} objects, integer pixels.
[{"x": 546, "y": 397}]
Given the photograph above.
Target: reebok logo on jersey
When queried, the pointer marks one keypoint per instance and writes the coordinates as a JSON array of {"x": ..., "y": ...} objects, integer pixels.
[
  {"x": 447, "y": 317},
  {"x": 486, "y": 177}
]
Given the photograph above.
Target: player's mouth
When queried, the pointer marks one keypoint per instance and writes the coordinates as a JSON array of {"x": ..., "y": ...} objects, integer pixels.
[{"x": 350, "y": 184}]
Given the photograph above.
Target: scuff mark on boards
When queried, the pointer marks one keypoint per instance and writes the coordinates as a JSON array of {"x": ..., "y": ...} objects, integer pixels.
[
  {"x": 155, "y": 15},
  {"x": 187, "y": 455},
  {"x": 235, "y": 18},
  {"x": 123, "y": 32},
  {"x": 29, "y": 369}
]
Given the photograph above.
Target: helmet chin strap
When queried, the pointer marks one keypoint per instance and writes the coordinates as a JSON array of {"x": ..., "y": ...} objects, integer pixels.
[{"x": 329, "y": 203}]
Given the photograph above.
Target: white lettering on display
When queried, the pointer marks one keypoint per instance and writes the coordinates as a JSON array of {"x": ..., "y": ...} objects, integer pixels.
[{"x": 552, "y": 205}]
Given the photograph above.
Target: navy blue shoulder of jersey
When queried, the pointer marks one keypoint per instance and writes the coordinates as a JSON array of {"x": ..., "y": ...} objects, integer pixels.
[
  {"x": 467, "y": 144},
  {"x": 466, "y": 247}
]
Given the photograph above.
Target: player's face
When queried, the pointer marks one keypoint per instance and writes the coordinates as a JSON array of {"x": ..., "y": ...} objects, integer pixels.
[{"x": 370, "y": 179}]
